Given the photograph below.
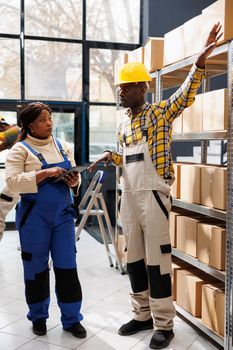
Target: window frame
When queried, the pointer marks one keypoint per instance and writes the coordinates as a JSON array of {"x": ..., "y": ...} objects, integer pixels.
[{"x": 82, "y": 124}]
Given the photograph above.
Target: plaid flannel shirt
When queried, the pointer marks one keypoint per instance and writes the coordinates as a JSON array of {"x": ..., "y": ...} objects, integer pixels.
[{"x": 161, "y": 115}]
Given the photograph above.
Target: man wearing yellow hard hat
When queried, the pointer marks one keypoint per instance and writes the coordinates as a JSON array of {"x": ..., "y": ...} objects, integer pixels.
[{"x": 147, "y": 173}]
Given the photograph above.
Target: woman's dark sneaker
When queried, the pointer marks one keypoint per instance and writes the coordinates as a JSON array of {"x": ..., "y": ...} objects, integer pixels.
[
  {"x": 39, "y": 327},
  {"x": 77, "y": 330}
]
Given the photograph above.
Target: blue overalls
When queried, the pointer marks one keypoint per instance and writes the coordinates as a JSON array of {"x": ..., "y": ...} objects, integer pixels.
[{"x": 45, "y": 221}]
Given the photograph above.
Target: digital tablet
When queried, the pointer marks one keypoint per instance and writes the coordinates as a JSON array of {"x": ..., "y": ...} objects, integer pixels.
[{"x": 75, "y": 169}]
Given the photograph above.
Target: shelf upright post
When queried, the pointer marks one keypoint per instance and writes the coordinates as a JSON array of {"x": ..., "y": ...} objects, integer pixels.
[
  {"x": 158, "y": 86},
  {"x": 228, "y": 340},
  {"x": 204, "y": 143}
]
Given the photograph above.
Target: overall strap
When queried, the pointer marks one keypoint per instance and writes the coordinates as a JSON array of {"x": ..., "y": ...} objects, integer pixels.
[
  {"x": 37, "y": 154},
  {"x": 63, "y": 153},
  {"x": 124, "y": 131}
]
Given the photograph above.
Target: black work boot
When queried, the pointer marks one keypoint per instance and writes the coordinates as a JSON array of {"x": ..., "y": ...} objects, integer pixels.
[
  {"x": 77, "y": 330},
  {"x": 161, "y": 339},
  {"x": 135, "y": 326},
  {"x": 39, "y": 327}
]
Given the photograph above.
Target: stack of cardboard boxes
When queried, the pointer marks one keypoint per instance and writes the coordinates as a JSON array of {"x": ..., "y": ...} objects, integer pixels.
[
  {"x": 201, "y": 238},
  {"x": 182, "y": 42},
  {"x": 201, "y": 184},
  {"x": 208, "y": 113},
  {"x": 196, "y": 292},
  {"x": 199, "y": 294}
]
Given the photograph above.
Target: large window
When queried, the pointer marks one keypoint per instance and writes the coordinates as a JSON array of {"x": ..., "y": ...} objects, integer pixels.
[
  {"x": 113, "y": 20},
  {"x": 63, "y": 126},
  {"x": 10, "y": 16},
  {"x": 103, "y": 122},
  {"x": 54, "y": 18},
  {"x": 53, "y": 70},
  {"x": 62, "y": 52},
  {"x": 9, "y": 69},
  {"x": 102, "y": 88}
]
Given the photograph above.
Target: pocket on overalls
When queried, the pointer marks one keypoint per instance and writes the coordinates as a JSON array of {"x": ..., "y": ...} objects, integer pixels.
[
  {"x": 22, "y": 212},
  {"x": 25, "y": 214},
  {"x": 165, "y": 255},
  {"x": 27, "y": 263}
]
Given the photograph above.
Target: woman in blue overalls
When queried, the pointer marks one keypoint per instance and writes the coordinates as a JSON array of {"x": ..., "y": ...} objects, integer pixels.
[{"x": 45, "y": 219}]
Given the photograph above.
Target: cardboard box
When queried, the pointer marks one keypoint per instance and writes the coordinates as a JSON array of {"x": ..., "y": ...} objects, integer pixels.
[
  {"x": 192, "y": 27},
  {"x": 136, "y": 55},
  {"x": 186, "y": 235},
  {"x": 220, "y": 11},
  {"x": 121, "y": 246},
  {"x": 177, "y": 125},
  {"x": 190, "y": 186},
  {"x": 200, "y": 26},
  {"x": 122, "y": 59},
  {"x": 215, "y": 110},
  {"x": 182, "y": 41},
  {"x": 175, "y": 188},
  {"x": 214, "y": 187},
  {"x": 173, "y": 225},
  {"x": 213, "y": 307},
  {"x": 192, "y": 116},
  {"x": 211, "y": 245},
  {"x": 175, "y": 267},
  {"x": 173, "y": 46},
  {"x": 189, "y": 291},
  {"x": 153, "y": 54}
]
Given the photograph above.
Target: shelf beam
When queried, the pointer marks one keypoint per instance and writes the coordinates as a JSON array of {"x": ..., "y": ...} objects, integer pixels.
[
  {"x": 174, "y": 74},
  {"x": 205, "y": 135},
  {"x": 190, "y": 60},
  {"x": 220, "y": 275},
  {"x": 200, "y": 209},
  {"x": 198, "y": 323}
]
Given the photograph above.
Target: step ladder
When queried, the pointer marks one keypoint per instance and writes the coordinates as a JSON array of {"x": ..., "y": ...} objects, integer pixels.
[{"x": 97, "y": 207}]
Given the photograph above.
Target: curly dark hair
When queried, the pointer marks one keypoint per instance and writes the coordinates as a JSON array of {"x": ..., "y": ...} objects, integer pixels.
[{"x": 28, "y": 114}]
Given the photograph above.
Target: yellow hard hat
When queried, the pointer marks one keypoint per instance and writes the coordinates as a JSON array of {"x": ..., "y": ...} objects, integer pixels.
[{"x": 133, "y": 72}]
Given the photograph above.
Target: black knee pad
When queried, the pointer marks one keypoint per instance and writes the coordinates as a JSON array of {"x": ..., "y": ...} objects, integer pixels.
[
  {"x": 138, "y": 276},
  {"x": 37, "y": 290},
  {"x": 68, "y": 287},
  {"x": 160, "y": 285}
]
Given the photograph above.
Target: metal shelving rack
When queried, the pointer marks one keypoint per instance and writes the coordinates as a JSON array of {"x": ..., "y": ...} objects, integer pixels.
[{"x": 220, "y": 62}]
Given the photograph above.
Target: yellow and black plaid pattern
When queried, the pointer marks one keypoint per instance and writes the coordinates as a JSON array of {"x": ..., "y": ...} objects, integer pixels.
[{"x": 161, "y": 115}]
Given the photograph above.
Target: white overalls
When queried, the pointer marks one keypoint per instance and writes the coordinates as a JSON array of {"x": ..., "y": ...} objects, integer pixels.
[
  {"x": 145, "y": 207},
  {"x": 8, "y": 201}
]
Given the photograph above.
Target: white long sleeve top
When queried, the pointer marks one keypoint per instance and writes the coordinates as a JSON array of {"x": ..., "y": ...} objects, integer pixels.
[{"x": 21, "y": 164}]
